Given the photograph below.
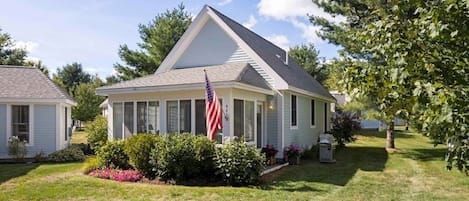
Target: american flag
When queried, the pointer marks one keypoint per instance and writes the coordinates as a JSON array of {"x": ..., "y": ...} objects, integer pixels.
[{"x": 212, "y": 109}]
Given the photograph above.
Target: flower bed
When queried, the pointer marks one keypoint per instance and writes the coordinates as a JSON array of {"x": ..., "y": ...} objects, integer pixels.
[{"x": 117, "y": 175}]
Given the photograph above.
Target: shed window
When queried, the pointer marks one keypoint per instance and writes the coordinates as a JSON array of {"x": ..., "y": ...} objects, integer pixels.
[{"x": 20, "y": 122}]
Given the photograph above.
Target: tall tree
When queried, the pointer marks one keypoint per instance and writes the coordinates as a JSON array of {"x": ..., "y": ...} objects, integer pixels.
[
  {"x": 307, "y": 57},
  {"x": 9, "y": 55},
  {"x": 158, "y": 38},
  {"x": 87, "y": 102},
  {"x": 39, "y": 65},
  {"x": 417, "y": 64},
  {"x": 70, "y": 76}
]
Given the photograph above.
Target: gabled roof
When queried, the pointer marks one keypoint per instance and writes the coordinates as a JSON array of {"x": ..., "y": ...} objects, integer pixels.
[
  {"x": 29, "y": 83},
  {"x": 227, "y": 73},
  {"x": 267, "y": 55},
  {"x": 274, "y": 56}
]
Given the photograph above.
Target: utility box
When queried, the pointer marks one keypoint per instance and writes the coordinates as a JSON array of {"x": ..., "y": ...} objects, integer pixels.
[{"x": 326, "y": 150}]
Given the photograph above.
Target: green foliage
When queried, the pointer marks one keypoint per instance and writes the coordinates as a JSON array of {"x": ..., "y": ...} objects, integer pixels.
[
  {"x": 158, "y": 38},
  {"x": 181, "y": 157},
  {"x": 239, "y": 164},
  {"x": 87, "y": 102},
  {"x": 90, "y": 164},
  {"x": 69, "y": 154},
  {"x": 307, "y": 57},
  {"x": 97, "y": 132},
  {"x": 343, "y": 126},
  {"x": 8, "y": 54},
  {"x": 70, "y": 76},
  {"x": 17, "y": 148},
  {"x": 112, "y": 155},
  {"x": 416, "y": 65},
  {"x": 138, "y": 148}
]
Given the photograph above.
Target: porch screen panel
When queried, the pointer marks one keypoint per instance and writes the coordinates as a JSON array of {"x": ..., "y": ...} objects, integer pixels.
[
  {"x": 117, "y": 120},
  {"x": 249, "y": 121},
  {"x": 185, "y": 116},
  {"x": 172, "y": 116},
  {"x": 142, "y": 117},
  {"x": 153, "y": 118},
  {"x": 128, "y": 119},
  {"x": 238, "y": 118},
  {"x": 200, "y": 118}
]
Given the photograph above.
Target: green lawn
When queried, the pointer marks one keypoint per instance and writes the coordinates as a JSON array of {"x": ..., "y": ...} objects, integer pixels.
[
  {"x": 364, "y": 171},
  {"x": 79, "y": 137}
]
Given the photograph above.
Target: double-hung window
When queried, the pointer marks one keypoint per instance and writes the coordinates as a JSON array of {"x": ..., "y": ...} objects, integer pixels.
[
  {"x": 20, "y": 122},
  {"x": 313, "y": 113},
  {"x": 293, "y": 110}
]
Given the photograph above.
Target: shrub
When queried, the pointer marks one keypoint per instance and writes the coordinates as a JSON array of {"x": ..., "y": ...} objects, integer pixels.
[
  {"x": 293, "y": 151},
  {"x": 112, "y": 155},
  {"x": 343, "y": 125},
  {"x": 239, "y": 164},
  {"x": 91, "y": 164},
  {"x": 17, "y": 148},
  {"x": 117, "y": 175},
  {"x": 184, "y": 156},
  {"x": 69, "y": 154},
  {"x": 86, "y": 148},
  {"x": 97, "y": 133},
  {"x": 138, "y": 148}
]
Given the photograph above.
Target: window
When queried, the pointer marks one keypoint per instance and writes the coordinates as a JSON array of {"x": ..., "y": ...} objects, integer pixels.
[
  {"x": 238, "y": 118},
  {"x": 200, "y": 117},
  {"x": 20, "y": 122},
  {"x": 153, "y": 118},
  {"x": 313, "y": 111},
  {"x": 66, "y": 123},
  {"x": 178, "y": 115},
  {"x": 128, "y": 119},
  {"x": 293, "y": 110},
  {"x": 185, "y": 116},
  {"x": 142, "y": 117},
  {"x": 117, "y": 120},
  {"x": 249, "y": 121},
  {"x": 325, "y": 118}
]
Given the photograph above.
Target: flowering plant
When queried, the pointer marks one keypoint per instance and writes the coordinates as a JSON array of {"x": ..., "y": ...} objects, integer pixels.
[
  {"x": 269, "y": 150},
  {"x": 117, "y": 175},
  {"x": 17, "y": 148},
  {"x": 293, "y": 150}
]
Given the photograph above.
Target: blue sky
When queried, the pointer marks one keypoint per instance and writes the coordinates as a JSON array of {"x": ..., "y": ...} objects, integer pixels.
[{"x": 90, "y": 32}]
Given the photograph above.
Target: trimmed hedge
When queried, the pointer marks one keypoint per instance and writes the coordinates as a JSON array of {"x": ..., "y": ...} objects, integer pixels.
[
  {"x": 239, "y": 164},
  {"x": 70, "y": 154},
  {"x": 112, "y": 155},
  {"x": 138, "y": 148},
  {"x": 183, "y": 157}
]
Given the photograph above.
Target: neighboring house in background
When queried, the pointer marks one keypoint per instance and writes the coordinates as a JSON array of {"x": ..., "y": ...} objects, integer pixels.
[
  {"x": 267, "y": 98},
  {"x": 343, "y": 98},
  {"x": 33, "y": 108},
  {"x": 103, "y": 107}
]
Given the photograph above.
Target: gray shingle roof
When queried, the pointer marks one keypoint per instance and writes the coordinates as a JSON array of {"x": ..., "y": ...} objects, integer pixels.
[
  {"x": 239, "y": 72},
  {"x": 293, "y": 74},
  {"x": 28, "y": 83}
]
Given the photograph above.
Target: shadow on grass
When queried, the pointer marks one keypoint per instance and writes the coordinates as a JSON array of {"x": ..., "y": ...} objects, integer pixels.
[
  {"x": 349, "y": 161},
  {"x": 10, "y": 171},
  {"x": 431, "y": 154},
  {"x": 382, "y": 134}
]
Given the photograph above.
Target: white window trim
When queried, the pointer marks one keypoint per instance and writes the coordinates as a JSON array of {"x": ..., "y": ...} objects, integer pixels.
[
  {"x": 313, "y": 124},
  {"x": 31, "y": 122},
  {"x": 293, "y": 127},
  {"x": 134, "y": 114}
]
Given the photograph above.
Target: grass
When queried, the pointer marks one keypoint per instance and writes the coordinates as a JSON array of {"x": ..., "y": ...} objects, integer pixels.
[
  {"x": 364, "y": 171},
  {"x": 79, "y": 137}
]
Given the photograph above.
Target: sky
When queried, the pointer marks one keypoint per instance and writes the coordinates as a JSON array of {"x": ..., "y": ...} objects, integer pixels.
[{"x": 90, "y": 32}]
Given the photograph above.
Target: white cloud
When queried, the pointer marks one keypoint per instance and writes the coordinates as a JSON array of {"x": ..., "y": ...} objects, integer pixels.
[
  {"x": 279, "y": 40},
  {"x": 224, "y": 2},
  {"x": 251, "y": 22},
  {"x": 33, "y": 59},
  {"x": 26, "y": 45},
  {"x": 296, "y": 12}
]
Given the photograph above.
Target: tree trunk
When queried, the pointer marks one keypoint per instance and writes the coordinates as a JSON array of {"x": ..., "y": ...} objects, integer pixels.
[
  {"x": 390, "y": 135},
  {"x": 407, "y": 126}
]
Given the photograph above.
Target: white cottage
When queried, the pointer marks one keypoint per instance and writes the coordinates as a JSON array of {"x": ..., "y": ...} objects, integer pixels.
[
  {"x": 34, "y": 109},
  {"x": 266, "y": 96}
]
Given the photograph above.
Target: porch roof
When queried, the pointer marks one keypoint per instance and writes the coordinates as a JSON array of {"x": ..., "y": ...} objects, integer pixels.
[{"x": 240, "y": 72}]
